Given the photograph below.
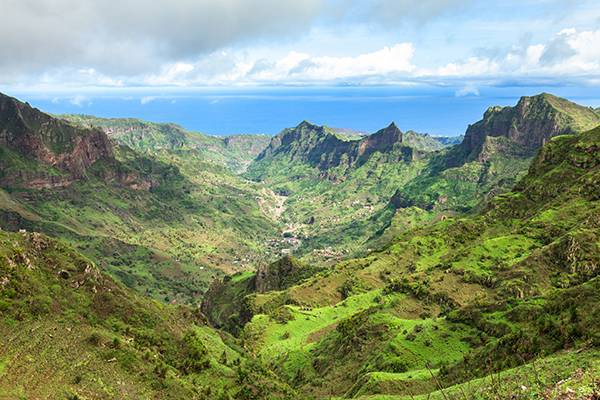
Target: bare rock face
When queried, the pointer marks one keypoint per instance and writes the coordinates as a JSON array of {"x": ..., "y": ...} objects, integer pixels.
[
  {"x": 40, "y": 138},
  {"x": 530, "y": 124}
]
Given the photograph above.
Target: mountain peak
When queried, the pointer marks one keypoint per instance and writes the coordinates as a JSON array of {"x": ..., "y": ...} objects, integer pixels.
[
  {"x": 34, "y": 135},
  {"x": 530, "y": 123},
  {"x": 307, "y": 124}
]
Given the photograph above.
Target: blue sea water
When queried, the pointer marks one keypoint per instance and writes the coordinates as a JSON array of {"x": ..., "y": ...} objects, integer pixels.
[{"x": 222, "y": 111}]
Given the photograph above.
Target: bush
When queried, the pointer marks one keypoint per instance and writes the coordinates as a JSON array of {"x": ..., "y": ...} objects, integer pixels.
[
  {"x": 95, "y": 339},
  {"x": 195, "y": 353},
  {"x": 395, "y": 364}
]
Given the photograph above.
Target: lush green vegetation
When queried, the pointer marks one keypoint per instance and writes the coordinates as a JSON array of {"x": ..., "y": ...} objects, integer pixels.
[
  {"x": 335, "y": 188},
  {"x": 457, "y": 306},
  {"x": 69, "y": 331},
  {"x": 235, "y": 152},
  {"x": 417, "y": 271},
  {"x": 165, "y": 219}
]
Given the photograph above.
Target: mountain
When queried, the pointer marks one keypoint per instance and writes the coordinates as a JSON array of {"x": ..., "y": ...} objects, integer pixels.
[
  {"x": 69, "y": 331},
  {"x": 323, "y": 148},
  {"x": 235, "y": 151},
  {"x": 38, "y": 150},
  {"x": 331, "y": 185},
  {"x": 495, "y": 153},
  {"x": 164, "y": 221},
  {"x": 379, "y": 266},
  {"x": 529, "y": 124},
  {"x": 465, "y": 307}
]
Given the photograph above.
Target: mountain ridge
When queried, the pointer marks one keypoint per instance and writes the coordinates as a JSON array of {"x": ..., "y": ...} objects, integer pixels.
[
  {"x": 494, "y": 153},
  {"x": 323, "y": 148},
  {"x": 162, "y": 221},
  {"x": 31, "y": 133},
  {"x": 235, "y": 151},
  {"x": 530, "y": 123}
]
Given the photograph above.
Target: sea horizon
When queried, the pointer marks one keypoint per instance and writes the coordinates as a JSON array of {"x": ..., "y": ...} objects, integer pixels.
[{"x": 267, "y": 110}]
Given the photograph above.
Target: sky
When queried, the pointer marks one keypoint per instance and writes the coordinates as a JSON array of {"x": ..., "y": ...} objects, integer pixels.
[{"x": 70, "y": 55}]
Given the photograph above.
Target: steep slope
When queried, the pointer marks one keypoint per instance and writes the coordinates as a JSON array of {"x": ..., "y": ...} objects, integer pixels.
[
  {"x": 530, "y": 123},
  {"x": 494, "y": 154},
  {"x": 69, "y": 331},
  {"x": 235, "y": 151},
  {"x": 449, "y": 307},
  {"x": 334, "y": 184},
  {"x": 39, "y": 151},
  {"x": 163, "y": 222}
]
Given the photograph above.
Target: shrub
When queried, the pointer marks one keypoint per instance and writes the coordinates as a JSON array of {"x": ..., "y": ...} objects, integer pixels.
[{"x": 95, "y": 339}]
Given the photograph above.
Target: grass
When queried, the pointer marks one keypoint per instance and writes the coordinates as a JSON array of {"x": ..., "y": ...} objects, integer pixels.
[
  {"x": 69, "y": 330},
  {"x": 568, "y": 374},
  {"x": 277, "y": 339}
]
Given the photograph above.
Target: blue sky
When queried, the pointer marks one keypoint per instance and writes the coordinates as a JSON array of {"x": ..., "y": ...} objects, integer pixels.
[{"x": 75, "y": 54}]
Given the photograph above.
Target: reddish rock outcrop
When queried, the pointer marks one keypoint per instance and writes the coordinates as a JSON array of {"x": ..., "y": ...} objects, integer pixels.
[{"x": 38, "y": 138}]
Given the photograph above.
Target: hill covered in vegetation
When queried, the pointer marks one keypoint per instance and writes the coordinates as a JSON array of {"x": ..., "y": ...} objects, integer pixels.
[
  {"x": 68, "y": 331},
  {"x": 394, "y": 265},
  {"x": 164, "y": 220},
  {"x": 484, "y": 306}
]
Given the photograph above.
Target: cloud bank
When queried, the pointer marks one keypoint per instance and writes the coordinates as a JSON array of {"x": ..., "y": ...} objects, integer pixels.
[{"x": 132, "y": 43}]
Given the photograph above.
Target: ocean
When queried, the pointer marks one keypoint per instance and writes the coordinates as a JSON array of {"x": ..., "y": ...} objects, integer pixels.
[{"x": 223, "y": 111}]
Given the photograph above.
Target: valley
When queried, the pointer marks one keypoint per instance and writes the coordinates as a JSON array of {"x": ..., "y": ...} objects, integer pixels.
[{"x": 142, "y": 260}]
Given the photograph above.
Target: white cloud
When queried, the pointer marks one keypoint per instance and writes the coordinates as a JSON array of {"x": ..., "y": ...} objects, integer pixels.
[
  {"x": 468, "y": 90},
  {"x": 569, "y": 53},
  {"x": 147, "y": 99},
  {"x": 131, "y": 37},
  {"x": 227, "y": 68},
  {"x": 389, "y": 60},
  {"x": 80, "y": 100}
]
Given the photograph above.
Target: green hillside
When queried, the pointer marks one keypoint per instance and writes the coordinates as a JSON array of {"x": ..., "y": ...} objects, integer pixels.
[
  {"x": 140, "y": 260},
  {"x": 332, "y": 186},
  {"x": 163, "y": 221},
  {"x": 67, "y": 331},
  {"x": 455, "y": 305},
  {"x": 494, "y": 154}
]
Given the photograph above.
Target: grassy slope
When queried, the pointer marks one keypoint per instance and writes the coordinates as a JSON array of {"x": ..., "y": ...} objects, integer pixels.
[
  {"x": 463, "y": 187},
  {"x": 68, "y": 331},
  {"x": 169, "y": 242},
  {"x": 479, "y": 286}
]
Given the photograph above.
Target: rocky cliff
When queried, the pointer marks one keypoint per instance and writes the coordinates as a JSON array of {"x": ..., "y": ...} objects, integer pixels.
[
  {"x": 529, "y": 124},
  {"x": 495, "y": 153},
  {"x": 29, "y": 136}
]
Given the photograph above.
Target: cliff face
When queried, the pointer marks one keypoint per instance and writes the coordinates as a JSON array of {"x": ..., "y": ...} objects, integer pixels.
[
  {"x": 34, "y": 136},
  {"x": 530, "y": 123}
]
